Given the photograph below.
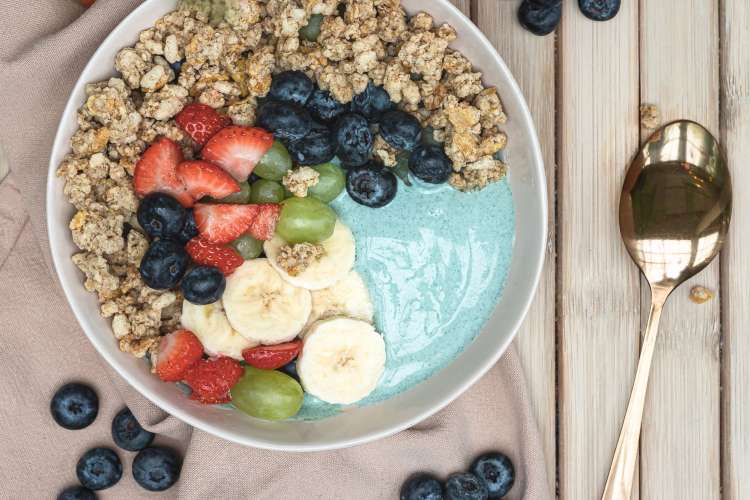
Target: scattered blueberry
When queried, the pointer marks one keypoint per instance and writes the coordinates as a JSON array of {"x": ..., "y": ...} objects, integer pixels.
[
  {"x": 371, "y": 185},
  {"x": 372, "y": 103},
  {"x": 430, "y": 164},
  {"x": 128, "y": 433},
  {"x": 538, "y": 19},
  {"x": 164, "y": 264},
  {"x": 161, "y": 216},
  {"x": 156, "y": 469},
  {"x": 495, "y": 471},
  {"x": 599, "y": 10},
  {"x": 546, "y": 3},
  {"x": 291, "y": 369},
  {"x": 177, "y": 67},
  {"x": 76, "y": 493},
  {"x": 400, "y": 129},
  {"x": 323, "y": 107},
  {"x": 422, "y": 487},
  {"x": 291, "y": 86},
  {"x": 465, "y": 486},
  {"x": 203, "y": 285},
  {"x": 190, "y": 229},
  {"x": 286, "y": 120},
  {"x": 74, "y": 406},
  {"x": 317, "y": 147},
  {"x": 99, "y": 468},
  {"x": 353, "y": 139}
]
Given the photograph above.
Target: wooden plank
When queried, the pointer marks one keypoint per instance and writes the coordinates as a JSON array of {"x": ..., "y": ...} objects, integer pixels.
[
  {"x": 532, "y": 61},
  {"x": 680, "y": 445},
  {"x": 598, "y": 287},
  {"x": 735, "y": 131}
]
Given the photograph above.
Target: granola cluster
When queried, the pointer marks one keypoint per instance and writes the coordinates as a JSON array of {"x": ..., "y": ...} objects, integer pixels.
[
  {"x": 296, "y": 258},
  {"x": 224, "y": 54}
]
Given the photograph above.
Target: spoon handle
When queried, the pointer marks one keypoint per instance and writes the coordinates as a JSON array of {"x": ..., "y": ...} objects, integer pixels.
[{"x": 620, "y": 479}]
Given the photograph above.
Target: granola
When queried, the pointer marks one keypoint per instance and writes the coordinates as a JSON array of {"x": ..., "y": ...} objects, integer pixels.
[
  {"x": 296, "y": 258},
  {"x": 299, "y": 180}
]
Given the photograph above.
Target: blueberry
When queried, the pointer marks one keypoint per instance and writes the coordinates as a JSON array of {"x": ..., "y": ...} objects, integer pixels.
[
  {"x": 539, "y": 19},
  {"x": 373, "y": 102},
  {"x": 291, "y": 369},
  {"x": 400, "y": 129},
  {"x": 422, "y": 487},
  {"x": 74, "y": 406},
  {"x": 371, "y": 185},
  {"x": 164, "y": 264},
  {"x": 599, "y": 10},
  {"x": 286, "y": 120},
  {"x": 317, "y": 147},
  {"x": 546, "y": 3},
  {"x": 161, "y": 216},
  {"x": 291, "y": 86},
  {"x": 99, "y": 468},
  {"x": 495, "y": 471},
  {"x": 190, "y": 229},
  {"x": 430, "y": 164},
  {"x": 156, "y": 469},
  {"x": 177, "y": 67},
  {"x": 76, "y": 493},
  {"x": 353, "y": 139},
  {"x": 203, "y": 285},
  {"x": 128, "y": 433},
  {"x": 323, "y": 107},
  {"x": 465, "y": 486}
]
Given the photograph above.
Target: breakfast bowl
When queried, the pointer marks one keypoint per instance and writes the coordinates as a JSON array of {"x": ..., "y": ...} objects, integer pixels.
[{"x": 522, "y": 229}]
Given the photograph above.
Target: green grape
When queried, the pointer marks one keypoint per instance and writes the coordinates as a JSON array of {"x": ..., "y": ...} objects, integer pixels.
[
  {"x": 428, "y": 137},
  {"x": 267, "y": 394},
  {"x": 248, "y": 247},
  {"x": 311, "y": 31},
  {"x": 241, "y": 197},
  {"x": 265, "y": 191},
  {"x": 305, "y": 220},
  {"x": 330, "y": 184},
  {"x": 274, "y": 163}
]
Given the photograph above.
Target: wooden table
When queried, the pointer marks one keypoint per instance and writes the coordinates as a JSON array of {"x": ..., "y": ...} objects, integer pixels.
[{"x": 581, "y": 340}]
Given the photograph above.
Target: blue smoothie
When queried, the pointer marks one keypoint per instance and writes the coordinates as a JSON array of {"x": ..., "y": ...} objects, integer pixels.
[{"x": 435, "y": 262}]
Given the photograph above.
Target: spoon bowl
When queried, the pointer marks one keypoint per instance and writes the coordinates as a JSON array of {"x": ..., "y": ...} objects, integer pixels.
[{"x": 675, "y": 209}]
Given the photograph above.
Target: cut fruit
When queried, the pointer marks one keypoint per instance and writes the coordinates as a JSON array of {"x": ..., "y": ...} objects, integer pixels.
[
  {"x": 210, "y": 325},
  {"x": 222, "y": 223},
  {"x": 262, "y": 307},
  {"x": 349, "y": 297},
  {"x": 272, "y": 357},
  {"x": 342, "y": 360},
  {"x": 178, "y": 352},
  {"x": 238, "y": 149},
  {"x": 333, "y": 266},
  {"x": 156, "y": 172},
  {"x": 206, "y": 179},
  {"x": 201, "y": 122}
]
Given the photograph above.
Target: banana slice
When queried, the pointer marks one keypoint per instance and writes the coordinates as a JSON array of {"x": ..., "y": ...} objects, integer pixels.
[
  {"x": 349, "y": 297},
  {"x": 210, "y": 325},
  {"x": 342, "y": 360},
  {"x": 336, "y": 262},
  {"x": 262, "y": 307}
]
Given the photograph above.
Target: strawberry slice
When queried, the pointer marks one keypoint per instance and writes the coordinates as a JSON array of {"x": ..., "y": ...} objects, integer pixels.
[
  {"x": 224, "y": 258},
  {"x": 264, "y": 224},
  {"x": 221, "y": 223},
  {"x": 178, "y": 352},
  {"x": 206, "y": 179},
  {"x": 201, "y": 122},
  {"x": 211, "y": 379},
  {"x": 156, "y": 172},
  {"x": 271, "y": 357},
  {"x": 238, "y": 149}
]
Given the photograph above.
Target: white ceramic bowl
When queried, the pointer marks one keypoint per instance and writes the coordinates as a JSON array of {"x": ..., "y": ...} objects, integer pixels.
[{"x": 358, "y": 425}]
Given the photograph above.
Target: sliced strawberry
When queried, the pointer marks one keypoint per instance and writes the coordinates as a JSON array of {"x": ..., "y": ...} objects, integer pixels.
[
  {"x": 238, "y": 149},
  {"x": 201, "y": 122},
  {"x": 221, "y": 223},
  {"x": 271, "y": 357},
  {"x": 206, "y": 179},
  {"x": 211, "y": 379},
  {"x": 156, "y": 172},
  {"x": 178, "y": 352},
  {"x": 226, "y": 259},
  {"x": 264, "y": 225}
]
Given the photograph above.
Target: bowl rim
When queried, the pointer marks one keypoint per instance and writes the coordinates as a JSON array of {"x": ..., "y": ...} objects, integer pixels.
[{"x": 536, "y": 258}]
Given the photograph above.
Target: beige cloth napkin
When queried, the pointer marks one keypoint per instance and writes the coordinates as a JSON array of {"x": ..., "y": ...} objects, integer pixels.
[{"x": 44, "y": 45}]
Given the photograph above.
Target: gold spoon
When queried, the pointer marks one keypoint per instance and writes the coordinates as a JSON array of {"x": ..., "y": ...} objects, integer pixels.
[{"x": 675, "y": 208}]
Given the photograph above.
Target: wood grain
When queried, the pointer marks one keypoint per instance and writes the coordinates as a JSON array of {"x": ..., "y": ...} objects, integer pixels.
[
  {"x": 735, "y": 131},
  {"x": 680, "y": 449},
  {"x": 536, "y": 338},
  {"x": 599, "y": 302}
]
